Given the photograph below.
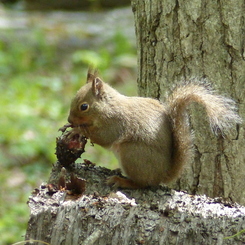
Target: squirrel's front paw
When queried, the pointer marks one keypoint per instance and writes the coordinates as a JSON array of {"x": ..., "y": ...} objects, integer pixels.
[{"x": 117, "y": 181}]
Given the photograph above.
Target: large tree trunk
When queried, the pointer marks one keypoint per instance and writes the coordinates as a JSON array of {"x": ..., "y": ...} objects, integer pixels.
[{"x": 180, "y": 40}]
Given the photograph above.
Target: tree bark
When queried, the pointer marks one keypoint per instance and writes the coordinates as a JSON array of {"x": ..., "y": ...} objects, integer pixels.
[
  {"x": 149, "y": 216},
  {"x": 182, "y": 40}
]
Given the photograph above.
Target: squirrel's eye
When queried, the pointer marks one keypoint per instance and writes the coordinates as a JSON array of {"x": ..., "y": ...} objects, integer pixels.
[{"x": 84, "y": 107}]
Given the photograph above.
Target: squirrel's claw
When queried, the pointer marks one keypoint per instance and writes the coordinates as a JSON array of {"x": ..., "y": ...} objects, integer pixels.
[
  {"x": 65, "y": 127},
  {"x": 113, "y": 181}
]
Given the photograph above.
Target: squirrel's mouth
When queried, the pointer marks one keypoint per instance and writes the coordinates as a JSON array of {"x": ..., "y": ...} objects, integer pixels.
[
  {"x": 83, "y": 125},
  {"x": 80, "y": 126},
  {"x": 79, "y": 122},
  {"x": 70, "y": 125}
]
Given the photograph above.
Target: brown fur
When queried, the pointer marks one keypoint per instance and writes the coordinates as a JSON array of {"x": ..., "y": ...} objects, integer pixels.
[{"x": 151, "y": 140}]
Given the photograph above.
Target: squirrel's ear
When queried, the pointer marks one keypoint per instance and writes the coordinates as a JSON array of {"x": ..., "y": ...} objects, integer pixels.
[
  {"x": 92, "y": 74},
  {"x": 97, "y": 87}
]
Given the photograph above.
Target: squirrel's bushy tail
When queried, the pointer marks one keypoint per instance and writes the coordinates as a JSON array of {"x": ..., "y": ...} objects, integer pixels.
[{"x": 221, "y": 112}]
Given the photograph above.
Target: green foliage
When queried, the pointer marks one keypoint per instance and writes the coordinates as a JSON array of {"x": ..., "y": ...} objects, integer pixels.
[
  {"x": 118, "y": 52},
  {"x": 37, "y": 84}
]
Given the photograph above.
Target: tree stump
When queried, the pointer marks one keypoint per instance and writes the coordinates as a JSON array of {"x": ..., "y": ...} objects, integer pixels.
[{"x": 101, "y": 215}]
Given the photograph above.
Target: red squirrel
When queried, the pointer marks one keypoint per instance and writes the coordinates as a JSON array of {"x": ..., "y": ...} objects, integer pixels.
[{"x": 152, "y": 140}]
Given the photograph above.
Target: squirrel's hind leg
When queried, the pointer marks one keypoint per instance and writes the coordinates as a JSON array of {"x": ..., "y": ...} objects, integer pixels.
[{"x": 144, "y": 166}]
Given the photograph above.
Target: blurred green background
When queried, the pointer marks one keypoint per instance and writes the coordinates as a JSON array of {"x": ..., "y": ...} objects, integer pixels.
[{"x": 44, "y": 58}]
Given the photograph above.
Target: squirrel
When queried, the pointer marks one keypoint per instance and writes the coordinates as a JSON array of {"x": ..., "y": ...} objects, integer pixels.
[{"x": 152, "y": 140}]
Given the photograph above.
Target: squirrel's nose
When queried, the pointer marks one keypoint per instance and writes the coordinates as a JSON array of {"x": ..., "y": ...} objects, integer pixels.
[{"x": 72, "y": 120}]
